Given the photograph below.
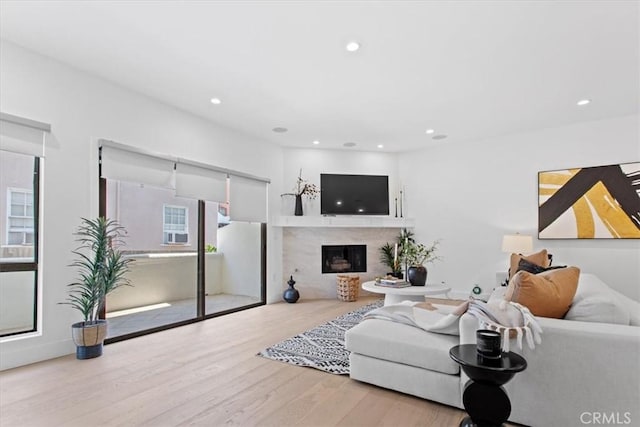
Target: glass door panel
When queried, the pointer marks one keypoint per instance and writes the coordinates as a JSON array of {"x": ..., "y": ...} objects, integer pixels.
[
  {"x": 162, "y": 237},
  {"x": 233, "y": 270}
]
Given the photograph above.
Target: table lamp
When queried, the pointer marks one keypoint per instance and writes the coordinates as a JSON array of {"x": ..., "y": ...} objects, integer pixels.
[{"x": 516, "y": 244}]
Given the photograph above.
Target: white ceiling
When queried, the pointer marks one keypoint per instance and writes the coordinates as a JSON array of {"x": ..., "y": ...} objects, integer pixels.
[{"x": 468, "y": 69}]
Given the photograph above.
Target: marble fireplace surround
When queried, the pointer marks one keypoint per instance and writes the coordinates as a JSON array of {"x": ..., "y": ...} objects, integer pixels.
[{"x": 302, "y": 253}]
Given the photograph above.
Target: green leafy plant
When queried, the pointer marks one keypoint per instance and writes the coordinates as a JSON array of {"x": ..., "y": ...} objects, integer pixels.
[
  {"x": 210, "y": 249},
  {"x": 388, "y": 258},
  {"x": 100, "y": 264},
  {"x": 417, "y": 254}
]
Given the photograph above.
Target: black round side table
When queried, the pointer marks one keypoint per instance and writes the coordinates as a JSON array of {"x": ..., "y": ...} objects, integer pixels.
[{"x": 484, "y": 398}]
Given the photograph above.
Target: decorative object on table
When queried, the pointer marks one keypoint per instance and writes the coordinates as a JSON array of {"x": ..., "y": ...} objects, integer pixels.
[
  {"x": 101, "y": 269},
  {"x": 484, "y": 398},
  {"x": 302, "y": 188},
  {"x": 348, "y": 287},
  {"x": 291, "y": 295},
  {"x": 416, "y": 256},
  {"x": 391, "y": 256},
  {"x": 321, "y": 347},
  {"x": 488, "y": 343},
  {"x": 391, "y": 282},
  {"x": 601, "y": 202}
]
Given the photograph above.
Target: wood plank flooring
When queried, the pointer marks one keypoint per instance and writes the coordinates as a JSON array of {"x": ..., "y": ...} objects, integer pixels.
[{"x": 208, "y": 374}]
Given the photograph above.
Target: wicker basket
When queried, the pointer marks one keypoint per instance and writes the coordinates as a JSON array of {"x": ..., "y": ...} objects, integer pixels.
[{"x": 348, "y": 287}]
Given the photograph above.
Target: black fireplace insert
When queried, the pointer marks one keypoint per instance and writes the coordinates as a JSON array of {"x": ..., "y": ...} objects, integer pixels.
[{"x": 344, "y": 258}]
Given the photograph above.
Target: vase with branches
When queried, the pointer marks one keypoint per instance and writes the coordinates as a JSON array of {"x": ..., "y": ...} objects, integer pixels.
[
  {"x": 302, "y": 188},
  {"x": 416, "y": 255}
]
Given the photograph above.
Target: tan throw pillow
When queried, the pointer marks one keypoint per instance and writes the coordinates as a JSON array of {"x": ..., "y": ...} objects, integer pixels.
[
  {"x": 547, "y": 294},
  {"x": 540, "y": 258}
]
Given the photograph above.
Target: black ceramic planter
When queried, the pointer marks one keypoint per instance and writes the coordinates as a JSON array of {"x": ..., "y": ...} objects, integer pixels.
[{"x": 417, "y": 276}]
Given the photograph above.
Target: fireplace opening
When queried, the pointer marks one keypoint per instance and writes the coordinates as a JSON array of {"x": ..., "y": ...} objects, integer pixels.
[{"x": 344, "y": 258}]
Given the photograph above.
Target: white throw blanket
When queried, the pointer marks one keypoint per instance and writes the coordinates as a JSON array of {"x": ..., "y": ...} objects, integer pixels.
[{"x": 503, "y": 316}]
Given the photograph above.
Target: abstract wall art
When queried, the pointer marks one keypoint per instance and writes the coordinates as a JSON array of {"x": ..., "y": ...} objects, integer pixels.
[{"x": 601, "y": 202}]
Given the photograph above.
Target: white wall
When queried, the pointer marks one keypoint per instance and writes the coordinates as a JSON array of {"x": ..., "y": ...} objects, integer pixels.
[
  {"x": 471, "y": 194},
  {"x": 302, "y": 246},
  {"x": 81, "y": 109},
  {"x": 240, "y": 243},
  {"x": 313, "y": 162}
]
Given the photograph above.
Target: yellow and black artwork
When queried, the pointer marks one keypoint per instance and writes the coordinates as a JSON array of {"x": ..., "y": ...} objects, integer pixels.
[{"x": 601, "y": 202}]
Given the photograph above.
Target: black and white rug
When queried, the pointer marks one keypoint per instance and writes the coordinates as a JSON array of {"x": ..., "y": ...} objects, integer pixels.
[{"x": 321, "y": 347}]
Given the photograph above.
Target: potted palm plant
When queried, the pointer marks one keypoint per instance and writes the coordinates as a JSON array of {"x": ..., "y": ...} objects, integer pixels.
[
  {"x": 101, "y": 269},
  {"x": 391, "y": 256}
]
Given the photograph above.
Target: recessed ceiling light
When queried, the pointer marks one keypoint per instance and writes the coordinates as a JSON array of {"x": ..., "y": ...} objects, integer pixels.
[
  {"x": 430, "y": 131},
  {"x": 349, "y": 144},
  {"x": 216, "y": 101},
  {"x": 352, "y": 46},
  {"x": 316, "y": 142},
  {"x": 279, "y": 130},
  {"x": 438, "y": 136},
  {"x": 583, "y": 102},
  {"x": 380, "y": 146}
]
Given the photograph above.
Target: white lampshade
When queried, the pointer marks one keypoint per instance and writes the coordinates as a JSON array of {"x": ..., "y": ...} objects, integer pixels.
[{"x": 517, "y": 243}]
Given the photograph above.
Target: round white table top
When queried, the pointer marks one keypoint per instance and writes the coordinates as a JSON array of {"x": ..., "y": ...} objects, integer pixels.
[{"x": 429, "y": 289}]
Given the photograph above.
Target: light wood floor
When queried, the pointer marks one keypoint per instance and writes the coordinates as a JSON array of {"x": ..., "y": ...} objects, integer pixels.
[{"x": 208, "y": 374}]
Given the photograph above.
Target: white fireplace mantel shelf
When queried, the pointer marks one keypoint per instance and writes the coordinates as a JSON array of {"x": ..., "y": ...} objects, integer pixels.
[{"x": 343, "y": 221}]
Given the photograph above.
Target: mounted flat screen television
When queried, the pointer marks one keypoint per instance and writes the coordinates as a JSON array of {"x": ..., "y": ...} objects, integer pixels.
[{"x": 354, "y": 194}]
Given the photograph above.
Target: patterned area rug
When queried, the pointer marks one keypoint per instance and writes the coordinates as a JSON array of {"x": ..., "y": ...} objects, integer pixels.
[{"x": 321, "y": 347}]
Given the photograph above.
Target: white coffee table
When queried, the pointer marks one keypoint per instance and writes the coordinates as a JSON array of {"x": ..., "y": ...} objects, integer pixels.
[{"x": 411, "y": 293}]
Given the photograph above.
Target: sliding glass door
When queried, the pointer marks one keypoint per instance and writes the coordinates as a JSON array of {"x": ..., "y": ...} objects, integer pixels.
[
  {"x": 162, "y": 235},
  {"x": 192, "y": 259}
]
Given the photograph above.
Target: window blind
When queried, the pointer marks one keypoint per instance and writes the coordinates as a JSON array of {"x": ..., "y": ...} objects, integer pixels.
[
  {"x": 247, "y": 199},
  {"x": 134, "y": 166},
  {"x": 24, "y": 136},
  {"x": 200, "y": 182}
]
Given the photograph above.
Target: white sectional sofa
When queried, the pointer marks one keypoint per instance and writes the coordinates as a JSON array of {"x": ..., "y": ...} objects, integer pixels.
[{"x": 583, "y": 372}]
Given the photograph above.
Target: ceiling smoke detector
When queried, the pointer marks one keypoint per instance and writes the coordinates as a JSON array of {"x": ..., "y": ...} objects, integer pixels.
[
  {"x": 349, "y": 144},
  {"x": 279, "y": 130}
]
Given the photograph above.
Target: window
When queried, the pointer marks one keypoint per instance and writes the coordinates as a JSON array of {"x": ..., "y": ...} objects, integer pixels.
[
  {"x": 19, "y": 217},
  {"x": 198, "y": 269},
  {"x": 175, "y": 225},
  {"x": 19, "y": 182},
  {"x": 22, "y": 143}
]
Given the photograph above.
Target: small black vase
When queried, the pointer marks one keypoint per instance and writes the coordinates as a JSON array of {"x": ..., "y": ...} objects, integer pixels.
[
  {"x": 298, "y": 210},
  {"x": 291, "y": 295},
  {"x": 396, "y": 274},
  {"x": 417, "y": 275}
]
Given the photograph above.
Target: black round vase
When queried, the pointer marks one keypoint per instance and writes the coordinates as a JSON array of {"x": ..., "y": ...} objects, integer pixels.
[
  {"x": 417, "y": 275},
  {"x": 291, "y": 295}
]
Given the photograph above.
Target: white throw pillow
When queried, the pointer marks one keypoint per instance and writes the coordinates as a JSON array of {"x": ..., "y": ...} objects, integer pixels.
[
  {"x": 598, "y": 308},
  {"x": 596, "y": 302},
  {"x": 633, "y": 307}
]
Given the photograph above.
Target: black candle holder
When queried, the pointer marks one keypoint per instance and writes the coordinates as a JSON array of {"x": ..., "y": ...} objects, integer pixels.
[{"x": 488, "y": 343}]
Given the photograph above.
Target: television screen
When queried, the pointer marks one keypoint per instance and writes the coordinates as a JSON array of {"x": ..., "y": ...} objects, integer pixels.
[{"x": 354, "y": 194}]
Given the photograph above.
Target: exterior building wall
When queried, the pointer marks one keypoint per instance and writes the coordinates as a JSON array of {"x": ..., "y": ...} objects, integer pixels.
[
  {"x": 140, "y": 209},
  {"x": 16, "y": 171}
]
